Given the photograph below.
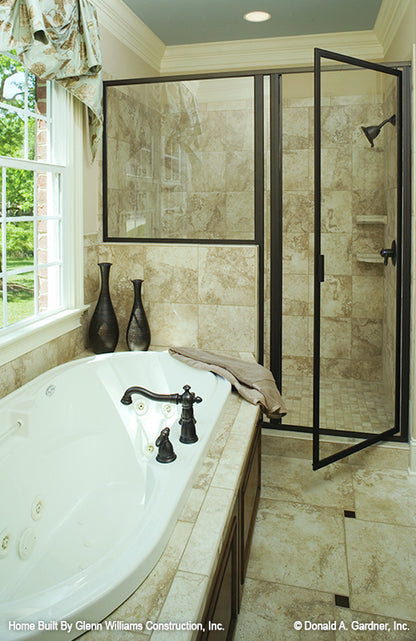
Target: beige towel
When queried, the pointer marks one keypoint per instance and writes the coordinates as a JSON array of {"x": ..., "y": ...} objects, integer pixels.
[{"x": 252, "y": 381}]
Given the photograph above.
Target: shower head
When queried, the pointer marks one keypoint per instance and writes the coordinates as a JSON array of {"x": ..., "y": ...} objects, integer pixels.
[{"x": 372, "y": 131}]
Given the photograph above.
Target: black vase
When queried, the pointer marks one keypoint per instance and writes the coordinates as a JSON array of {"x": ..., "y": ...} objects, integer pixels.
[
  {"x": 138, "y": 331},
  {"x": 103, "y": 331}
]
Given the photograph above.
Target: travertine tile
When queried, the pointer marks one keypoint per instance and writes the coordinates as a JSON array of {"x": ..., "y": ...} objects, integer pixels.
[
  {"x": 381, "y": 567},
  {"x": 241, "y": 324},
  {"x": 336, "y": 212},
  {"x": 367, "y": 297},
  {"x": 269, "y": 611},
  {"x": 299, "y": 545},
  {"x": 298, "y": 212},
  {"x": 187, "y": 591},
  {"x": 367, "y": 338},
  {"x": 171, "y": 274},
  {"x": 239, "y": 171},
  {"x": 295, "y": 129},
  {"x": 296, "y": 295},
  {"x": 336, "y": 337},
  {"x": 361, "y": 626},
  {"x": 173, "y": 323},
  {"x": 336, "y": 168},
  {"x": 296, "y": 250},
  {"x": 292, "y": 479},
  {"x": 296, "y": 335},
  {"x": 337, "y": 249},
  {"x": 335, "y": 126},
  {"x": 297, "y": 172},
  {"x": 336, "y": 296},
  {"x": 208, "y": 532},
  {"x": 227, "y": 275},
  {"x": 387, "y": 496}
]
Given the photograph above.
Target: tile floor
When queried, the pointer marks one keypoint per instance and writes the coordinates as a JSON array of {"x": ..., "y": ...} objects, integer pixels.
[
  {"x": 305, "y": 550},
  {"x": 344, "y": 403}
]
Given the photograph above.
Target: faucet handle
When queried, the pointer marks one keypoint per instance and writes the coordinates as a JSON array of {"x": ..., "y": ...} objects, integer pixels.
[
  {"x": 166, "y": 453},
  {"x": 188, "y": 398}
]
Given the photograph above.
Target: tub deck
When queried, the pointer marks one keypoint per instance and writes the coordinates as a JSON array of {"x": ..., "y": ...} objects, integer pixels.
[{"x": 177, "y": 588}]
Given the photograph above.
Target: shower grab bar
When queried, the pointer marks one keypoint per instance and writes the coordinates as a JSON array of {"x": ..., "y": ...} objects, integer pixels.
[{"x": 13, "y": 428}]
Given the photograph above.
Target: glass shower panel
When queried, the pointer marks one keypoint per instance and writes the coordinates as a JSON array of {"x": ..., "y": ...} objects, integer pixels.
[
  {"x": 358, "y": 220},
  {"x": 297, "y": 248},
  {"x": 180, "y": 160}
]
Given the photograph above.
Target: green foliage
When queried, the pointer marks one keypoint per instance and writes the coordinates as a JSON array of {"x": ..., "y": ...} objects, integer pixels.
[
  {"x": 19, "y": 182},
  {"x": 19, "y": 240},
  {"x": 19, "y": 192}
]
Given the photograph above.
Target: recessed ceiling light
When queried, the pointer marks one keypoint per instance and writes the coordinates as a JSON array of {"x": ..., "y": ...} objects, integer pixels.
[{"x": 257, "y": 16}]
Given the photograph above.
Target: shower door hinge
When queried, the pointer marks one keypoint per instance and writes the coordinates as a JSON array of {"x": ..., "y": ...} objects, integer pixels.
[{"x": 321, "y": 268}]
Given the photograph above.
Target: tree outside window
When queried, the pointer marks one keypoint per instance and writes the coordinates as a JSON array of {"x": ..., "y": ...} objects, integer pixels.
[{"x": 30, "y": 223}]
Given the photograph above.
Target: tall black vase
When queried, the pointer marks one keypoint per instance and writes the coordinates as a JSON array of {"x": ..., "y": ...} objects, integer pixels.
[
  {"x": 103, "y": 331},
  {"x": 138, "y": 331}
]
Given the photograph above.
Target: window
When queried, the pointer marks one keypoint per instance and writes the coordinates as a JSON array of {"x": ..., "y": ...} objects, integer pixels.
[{"x": 37, "y": 225}]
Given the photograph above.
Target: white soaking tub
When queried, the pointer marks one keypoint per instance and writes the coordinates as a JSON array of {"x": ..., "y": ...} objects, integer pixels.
[{"x": 85, "y": 508}]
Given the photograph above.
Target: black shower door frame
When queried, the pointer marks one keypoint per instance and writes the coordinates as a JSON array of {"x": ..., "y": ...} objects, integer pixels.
[{"x": 400, "y": 431}]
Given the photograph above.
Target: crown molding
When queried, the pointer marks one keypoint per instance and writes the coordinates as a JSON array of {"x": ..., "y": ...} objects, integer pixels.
[
  {"x": 267, "y": 53},
  {"x": 120, "y": 20},
  {"x": 388, "y": 20}
]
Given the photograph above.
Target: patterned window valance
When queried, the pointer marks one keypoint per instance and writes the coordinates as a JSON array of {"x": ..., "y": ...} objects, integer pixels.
[{"x": 59, "y": 39}]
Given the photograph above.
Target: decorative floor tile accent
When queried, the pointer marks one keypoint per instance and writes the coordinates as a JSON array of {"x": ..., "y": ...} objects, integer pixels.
[{"x": 331, "y": 564}]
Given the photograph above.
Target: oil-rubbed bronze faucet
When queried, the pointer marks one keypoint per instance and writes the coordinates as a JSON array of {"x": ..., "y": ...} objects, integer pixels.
[
  {"x": 187, "y": 399},
  {"x": 165, "y": 453}
]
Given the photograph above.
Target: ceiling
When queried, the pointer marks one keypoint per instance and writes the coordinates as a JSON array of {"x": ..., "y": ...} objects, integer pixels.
[{"x": 178, "y": 22}]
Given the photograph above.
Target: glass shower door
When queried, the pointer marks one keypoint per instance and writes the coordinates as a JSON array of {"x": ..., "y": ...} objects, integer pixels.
[{"x": 357, "y": 253}]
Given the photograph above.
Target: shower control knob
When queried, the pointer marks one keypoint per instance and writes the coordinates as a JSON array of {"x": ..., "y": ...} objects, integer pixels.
[{"x": 390, "y": 253}]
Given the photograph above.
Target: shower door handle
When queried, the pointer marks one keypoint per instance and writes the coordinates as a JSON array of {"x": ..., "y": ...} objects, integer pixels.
[
  {"x": 321, "y": 268},
  {"x": 390, "y": 253}
]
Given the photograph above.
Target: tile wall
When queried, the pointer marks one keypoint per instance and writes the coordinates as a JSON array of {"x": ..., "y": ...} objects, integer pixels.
[
  {"x": 202, "y": 296},
  {"x": 352, "y": 185}
]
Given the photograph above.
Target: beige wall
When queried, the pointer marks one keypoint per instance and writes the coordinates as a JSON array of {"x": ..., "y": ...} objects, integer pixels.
[
  {"x": 206, "y": 318},
  {"x": 400, "y": 49}
]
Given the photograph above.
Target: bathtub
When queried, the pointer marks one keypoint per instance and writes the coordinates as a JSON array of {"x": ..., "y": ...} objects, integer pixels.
[{"x": 85, "y": 508}]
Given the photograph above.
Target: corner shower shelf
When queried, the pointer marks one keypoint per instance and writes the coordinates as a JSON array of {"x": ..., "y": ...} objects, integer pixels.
[
  {"x": 369, "y": 258},
  {"x": 372, "y": 220}
]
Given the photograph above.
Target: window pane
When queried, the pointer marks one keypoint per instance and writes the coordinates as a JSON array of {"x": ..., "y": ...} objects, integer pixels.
[
  {"x": 20, "y": 297},
  {"x": 31, "y": 222},
  {"x": 19, "y": 192},
  {"x": 31, "y": 139},
  {"x": 31, "y": 91},
  {"x": 19, "y": 245},
  {"x": 12, "y": 134},
  {"x": 12, "y": 81}
]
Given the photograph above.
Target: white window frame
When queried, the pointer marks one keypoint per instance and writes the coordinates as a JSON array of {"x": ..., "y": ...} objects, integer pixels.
[{"x": 25, "y": 336}]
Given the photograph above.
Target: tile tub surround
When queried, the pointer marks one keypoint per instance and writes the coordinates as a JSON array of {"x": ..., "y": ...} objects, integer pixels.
[
  {"x": 201, "y": 296},
  {"x": 178, "y": 586}
]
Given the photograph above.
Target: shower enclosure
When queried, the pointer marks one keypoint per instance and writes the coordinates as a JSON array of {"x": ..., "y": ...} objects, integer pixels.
[
  {"x": 345, "y": 290},
  {"x": 312, "y": 168}
]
